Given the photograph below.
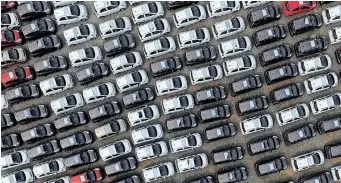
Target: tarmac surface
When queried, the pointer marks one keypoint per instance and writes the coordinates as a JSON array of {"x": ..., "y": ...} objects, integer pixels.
[{"x": 248, "y": 161}]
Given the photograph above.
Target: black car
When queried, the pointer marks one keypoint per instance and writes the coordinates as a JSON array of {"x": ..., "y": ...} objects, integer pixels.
[
  {"x": 252, "y": 105},
  {"x": 210, "y": 94},
  {"x": 264, "y": 145},
  {"x": 271, "y": 166},
  {"x": 200, "y": 55},
  {"x": 228, "y": 155},
  {"x": 22, "y": 93},
  {"x": 329, "y": 125},
  {"x": 263, "y": 16},
  {"x": 44, "y": 45},
  {"x": 7, "y": 120},
  {"x": 70, "y": 121},
  {"x": 232, "y": 175},
  {"x": 324, "y": 177},
  {"x": 172, "y": 5},
  {"x": 50, "y": 65},
  {"x": 311, "y": 46},
  {"x": 92, "y": 73},
  {"x": 338, "y": 55},
  {"x": 166, "y": 66},
  {"x": 34, "y": 9},
  {"x": 297, "y": 135},
  {"x": 215, "y": 113},
  {"x": 182, "y": 122},
  {"x": 304, "y": 24},
  {"x": 268, "y": 35},
  {"x": 104, "y": 111},
  {"x": 219, "y": 132},
  {"x": 139, "y": 97},
  {"x": 38, "y": 28},
  {"x": 280, "y": 73},
  {"x": 10, "y": 141},
  {"x": 119, "y": 44},
  {"x": 121, "y": 166},
  {"x": 274, "y": 55},
  {"x": 132, "y": 179},
  {"x": 333, "y": 150},
  {"x": 287, "y": 92},
  {"x": 246, "y": 84}
]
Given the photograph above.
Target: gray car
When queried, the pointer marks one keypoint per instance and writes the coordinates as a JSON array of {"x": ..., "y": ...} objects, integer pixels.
[
  {"x": 71, "y": 120},
  {"x": 252, "y": 105},
  {"x": 34, "y": 9},
  {"x": 228, "y": 155},
  {"x": 7, "y": 120},
  {"x": 38, "y": 132},
  {"x": 92, "y": 73},
  {"x": 44, "y": 149},
  {"x": 31, "y": 114},
  {"x": 132, "y": 179},
  {"x": 81, "y": 158},
  {"x": 182, "y": 122},
  {"x": 246, "y": 84},
  {"x": 119, "y": 44},
  {"x": 233, "y": 175},
  {"x": 50, "y": 65},
  {"x": 38, "y": 28},
  {"x": 76, "y": 140},
  {"x": 44, "y": 45},
  {"x": 272, "y": 166},
  {"x": 9, "y": 141},
  {"x": 104, "y": 111},
  {"x": 141, "y": 96},
  {"x": 23, "y": 92},
  {"x": 121, "y": 166},
  {"x": 219, "y": 132},
  {"x": 111, "y": 128}
]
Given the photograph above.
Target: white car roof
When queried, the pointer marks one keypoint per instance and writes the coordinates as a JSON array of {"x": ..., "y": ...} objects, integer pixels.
[
  {"x": 335, "y": 11},
  {"x": 118, "y": 61},
  {"x": 152, "y": 45},
  {"x": 288, "y": 115},
  {"x": 147, "y": 28},
  {"x": 139, "y": 134},
  {"x": 41, "y": 169},
  {"x": 72, "y": 32},
  {"x": 93, "y": 91},
  {"x": 172, "y": 103},
  {"x": 318, "y": 81},
  {"x": 252, "y": 124},
  {"x": 216, "y": 5},
  {"x": 338, "y": 31},
  {"x": 108, "y": 151},
  {"x": 188, "y": 35},
  {"x": 223, "y": 25},
  {"x": 6, "y": 160},
  {"x": 125, "y": 79},
  {"x": 165, "y": 84},
  {"x": 141, "y": 9},
  {"x": 62, "y": 12},
  {"x": 311, "y": 64},
  {"x": 145, "y": 151},
  {"x": 236, "y": 63},
  {"x": 184, "y": 14},
  {"x": 200, "y": 73},
  {"x": 180, "y": 143},
  {"x": 230, "y": 45}
]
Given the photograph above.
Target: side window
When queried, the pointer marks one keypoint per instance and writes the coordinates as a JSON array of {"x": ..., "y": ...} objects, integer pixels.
[
  {"x": 102, "y": 10},
  {"x": 73, "y": 39},
  {"x": 63, "y": 18}
]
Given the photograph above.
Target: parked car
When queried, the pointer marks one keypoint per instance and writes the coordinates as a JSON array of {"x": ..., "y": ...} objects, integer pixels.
[
  {"x": 336, "y": 173},
  {"x": 99, "y": 92},
  {"x": 70, "y": 14},
  {"x": 252, "y": 105},
  {"x": 206, "y": 74},
  {"x": 211, "y": 94},
  {"x": 292, "y": 114},
  {"x": 324, "y": 177},
  {"x": 38, "y": 133},
  {"x": 10, "y": 141},
  {"x": 232, "y": 175},
  {"x": 206, "y": 179},
  {"x": 44, "y": 149},
  {"x": 263, "y": 145},
  {"x": 239, "y": 65},
  {"x": 17, "y": 76},
  {"x": 193, "y": 37},
  {"x": 200, "y": 55},
  {"x": 56, "y": 84},
  {"x": 228, "y": 155},
  {"x": 139, "y": 97},
  {"x": 57, "y": 4},
  {"x": 295, "y": 7},
  {"x": 189, "y": 16},
  {"x": 32, "y": 113},
  {"x": 143, "y": 115},
  {"x": 10, "y": 38},
  {"x": 159, "y": 47},
  {"x": 147, "y": 12},
  {"x": 186, "y": 142},
  {"x": 268, "y": 35},
  {"x": 49, "y": 168},
  {"x": 146, "y": 134},
  {"x": 24, "y": 175},
  {"x": 80, "y": 34},
  {"x": 166, "y": 66},
  {"x": 228, "y": 27},
  {"x": 14, "y": 159},
  {"x": 329, "y": 125},
  {"x": 311, "y": 45},
  {"x": 7, "y": 120},
  {"x": 44, "y": 45},
  {"x": 299, "y": 134},
  {"x": 67, "y": 103},
  {"x": 172, "y": 5},
  {"x": 304, "y": 24},
  {"x": 314, "y": 64},
  {"x": 85, "y": 56},
  {"x": 65, "y": 179},
  {"x": 287, "y": 92},
  {"x": 121, "y": 166},
  {"x": 280, "y": 73},
  {"x": 263, "y": 16},
  {"x": 10, "y": 21},
  {"x": 92, "y": 73},
  {"x": 215, "y": 113},
  {"x": 34, "y": 9},
  {"x": 22, "y": 93},
  {"x": 38, "y": 28},
  {"x": 150, "y": 151},
  {"x": 115, "y": 27},
  {"x": 153, "y": 29},
  {"x": 105, "y": 8},
  {"x": 125, "y": 62},
  {"x": 50, "y": 65},
  {"x": 271, "y": 166},
  {"x": 191, "y": 163},
  {"x": 157, "y": 172},
  {"x": 307, "y": 160},
  {"x": 325, "y": 103},
  {"x": 170, "y": 85},
  {"x": 7, "y": 5},
  {"x": 104, "y": 111},
  {"x": 246, "y": 84},
  {"x": 335, "y": 35},
  {"x": 80, "y": 158},
  {"x": 111, "y": 128},
  {"x": 234, "y": 46},
  {"x": 132, "y": 179},
  {"x": 220, "y": 132},
  {"x": 331, "y": 14},
  {"x": 321, "y": 82},
  {"x": 252, "y": 4},
  {"x": 114, "y": 150},
  {"x": 182, "y": 122},
  {"x": 89, "y": 176},
  {"x": 4, "y": 102},
  {"x": 332, "y": 150},
  {"x": 220, "y": 8},
  {"x": 72, "y": 120},
  {"x": 338, "y": 55},
  {"x": 274, "y": 55},
  {"x": 76, "y": 140},
  {"x": 119, "y": 44},
  {"x": 256, "y": 124},
  {"x": 178, "y": 103},
  {"x": 131, "y": 80}
]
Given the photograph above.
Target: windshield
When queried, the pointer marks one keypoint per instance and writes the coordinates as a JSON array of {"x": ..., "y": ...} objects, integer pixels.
[
  {"x": 84, "y": 29},
  {"x": 75, "y": 10},
  {"x": 42, "y": 24},
  {"x": 9, "y": 36}
]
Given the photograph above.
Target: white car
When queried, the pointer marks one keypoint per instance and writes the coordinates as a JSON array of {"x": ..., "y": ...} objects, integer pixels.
[
  {"x": 70, "y": 14},
  {"x": 178, "y": 103},
  {"x": 153, "y": 29},
  {"x": 114, "y": 150},
  {"x": 189, "y": 16},
  {"x": 4, "y": 102},
  {"x": 80, "y": 34},
  {"x": 220, "y": 8},
  {"x": 14, "y": 159},
  {"x": 239, "y": 65},
  {"x": 111, "y": 128},
  {"x": 234, "y": 46},
  {"x": 85, "y": 56},
  {"x": 291, "y": 114},
  {"x": 143, "y": 115},
  {"x": 12, "y": 56},
  {"x": 251, "y": 4},
  {"x": 308, "y": 160},
  {"x": 206, "y": 74},
  {"x": 49, "y": 168},
  {"x": 314, "y": 64},
  {"x": 147, "y": 12},
  {"x": 56, "y": 84},
  {"x": 157, "y": 172},
  {"x": 65, "y": 179},
  {"x": 159, "y": 47},
  {"x": 105, "y": 8},
  {"x": 336, "y": 173},
  {"x": 146, "y": 134},
  {"x": 326, "y": 103},
  {"x": 170, "y": 85},
  {"x": 186, "y": 142},
  {"x": 192, "y": 162},
  {"x": 256, "y": 124},
  {"x": 99, "y": 92},
  {"x": 228, "y": 27},
  {"x": 150, "y": 151},
  {"x": 131, "y": 80},
  {"x": 321, "y": 82},
  {"x": 125, "y": 62},
  {"x": 67, "y": 103},
  {"x": 335, "y": 35},
  {"x": 21, "y": 176},
  {"x": 193, "y": 38},
  {"x": 115, "y": 27},
  {"x": 11, "y": 20},
  {"x": 332, "y": 14},
  {"x": 57, "y": 4}
]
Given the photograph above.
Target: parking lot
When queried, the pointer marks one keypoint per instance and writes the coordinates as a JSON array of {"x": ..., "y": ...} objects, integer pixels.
[{"x": 248, "y": 161}]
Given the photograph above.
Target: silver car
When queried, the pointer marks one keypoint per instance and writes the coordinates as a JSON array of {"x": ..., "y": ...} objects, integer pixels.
[
  {"x": 76, "y": 140},
  {"x": 326, "y": 103},
  {"x": 321, "y": 82},
  {"x": 31, "y": 113},
  {"x": 292, "y": 114},
  {"x": 49, "y": 168},
  {"x": 67, "y": 103},
  {"x": 153, "y": 29},
  {"x": 192, "y": 162},
  {"x": 146, "y": 134},
  {"x": 44, "y": 149},
  {"x": 114, "y": 150},
  {"x": 56, "y": 84},
  {"x": 186, "y": 142},
  {"x": 81, "y": 158},
  {"x": 111, "y": 128},
  {"x": 39, "y": 132},
  {"x": 14, "y": 159},
  {"x": 256, "y": 124},
  {"x": 13, "y": 56},
  {"x": 147, "y": 11},
  {"x": 150, "y": 151},
  {"x": 157, "y": 172},
  {"x": 143, "y": 115},
  {"x": 308, "y": 160},
  {"x": 70, "y": 14}
]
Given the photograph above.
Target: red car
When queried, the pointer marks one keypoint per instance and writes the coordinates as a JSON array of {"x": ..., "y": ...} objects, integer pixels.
[
  {"x": 7, "y": 5},
  {"x": 11, "y": 38},
  {"x": 93, "y": 175},
  {"x": 16, "y": 76},
  {"x": 295, "y": 7}
]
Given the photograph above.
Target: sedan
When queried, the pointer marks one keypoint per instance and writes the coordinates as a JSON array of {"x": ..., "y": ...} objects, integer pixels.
[
  {"x": 321, "y": 83},
  {"x": 151, "y": 151},
  {"x": 246, "y": 84},
  {"x": 326, "y": 103},
  {"x": 67, "y": 103},
  {"x": 132, "y": 179},
  {"x": 125, "y": 62},
  {"x": 182, "y": 122},
  {"x": 285, "y": 93},
  {"x": 14, "y": 159},
  {"x": 139, "y": 97},
  {"x": 49, "y": 168},
  {"x": 85, "y": 56},
  {"x": 143, "y": 115},
  {"x": 252, "y": 105},
  {"x": 210, "y": 94},
  {"x": 24, "y": 175},
  {"x": 263, "y": 145},
  {"x": 191, "y": 163},
  {"x": 299, "y": 134},
  {"x": 311, "y": 45},
  {"x": 70, "y": 121},
  {"x": 44, "y": 149},
  {"x": 186, "y": 142},
  {"x": 38, "y": 28},
  {"x": 34, "y": 9},
  {"x": 256, "y": 124},
  {"x": 200, "y": 55},
  {"x": 119, "y": 44},
  {"x": 220, "y": 132},
  {"x": 115, "y": 27},
  {"x": 78, "y": 139},
  {"x": 193, "y": 37},
  {"x": 121, "y": 166},
  {"x": 228, "y": 27},
  {"x": 228, "y": 155},
  {"x": 305, "y": 23},
  {"x": 274, "y": 55},
  {"x": 234, "y": 46},
  {"x": 171, "y": 85},
  {"x": 10, "y": 141},
  {"x": 292, "y": 114},
  {"x": 146, "y": 134},
  {"x": 80, "y": 158},
  {"x": 104, "y": 111},
  {"x": 233, "y": 175},
  {"x": 16, "y": 76},
  {"x": 22, "y": 93},
  {"x": 295, "y": 7},
  {"x": 159, "y": 47},
  {"x": 271, "y": 166},
  {"x": 10, "y": 38},
  {"x": 314, "y": 64},
  {"x": 89, "y": 176},
  {"x": 239, "y": 65},
  {"x": 131, "y": 80},
  {"x": 307, "y": 160},
  {"x": 105, "y": 8},
  {"x": 92, "y": 73},
  {"x": 50, "y": 65},
  {"x": 329, "y": 125},
  {"x": 32, "y": 113},
  {"x": 206, "y": 74},
  {"x": 178, "y": 103},
  {"x": 153, "y": 29},
  {"x": 189, "y": 16},
  {"x": 220, "y": 8},
  {"x": 166, "y": 66},
  {"x": 280, "y": 73},
  {"x": 332, "y": 150},
  {"x": 158, "y": 172},
  {"x": 99, "y": 92},
  {"x": 80, "y": 34},
  {"x": 335, "y": 35},
  {"x": 9, "y": 21},
  {"x": 269, "y": 35},
  {"x": 13, "y": 56},
  {"x": 38, "y": 133},
  {"x": 71, "y": 14},
  {"x": 56, "y": 84},
  {"x": 324, "y": 177},
  {"x": 7, "y": 120},
  {"x": 111, "y": 128},
  {"x": 215, "y": 113},
  {"x": 44, "y": 45},
  {"x": 147, "y": 12},
  {"x": 115, "y": 150},
  {"x": 263, "y": 16},
  {"x": 331, "y": 14}
]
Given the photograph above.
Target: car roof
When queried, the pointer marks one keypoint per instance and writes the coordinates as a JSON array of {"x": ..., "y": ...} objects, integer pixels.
[
  {"x": 335, "y": 11},
  {"x": 62, "y": 12},
  {"x": 184, "y": 14},
  {"x": 152, "y": 45}
]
